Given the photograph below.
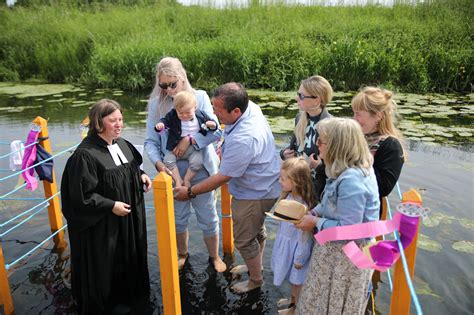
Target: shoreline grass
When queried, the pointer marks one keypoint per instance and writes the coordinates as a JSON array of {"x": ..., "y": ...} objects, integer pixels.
[{"x": 423, "y": 48}]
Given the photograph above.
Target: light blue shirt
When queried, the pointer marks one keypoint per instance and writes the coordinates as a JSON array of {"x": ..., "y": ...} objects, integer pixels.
[
  {"x": 155, "y": 143},
  {"x": 249, "y": 157},
  {"x": 351, "y": 198}
]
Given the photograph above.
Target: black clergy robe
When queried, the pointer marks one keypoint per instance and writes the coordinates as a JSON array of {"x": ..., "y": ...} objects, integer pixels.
[{"x": 108, "y": 252}]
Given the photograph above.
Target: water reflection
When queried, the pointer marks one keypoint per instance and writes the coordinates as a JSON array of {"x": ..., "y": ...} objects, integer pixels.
[{"x": 55, "y": 275}]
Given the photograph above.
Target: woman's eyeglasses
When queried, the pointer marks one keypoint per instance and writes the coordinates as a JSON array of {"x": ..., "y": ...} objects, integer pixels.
[
  {"x": 301, "y": 96},
  {"x": 165, "y": 86},
  {"x": 319, "y": 142}
]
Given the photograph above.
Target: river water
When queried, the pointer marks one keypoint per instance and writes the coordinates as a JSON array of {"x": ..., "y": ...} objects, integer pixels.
[{"x": 442, "y": 170}]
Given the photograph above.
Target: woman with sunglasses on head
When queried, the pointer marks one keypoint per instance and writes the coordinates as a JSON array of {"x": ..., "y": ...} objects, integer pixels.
[
  {"x": 171, "y": 79},
  {"x": 312, "y": 97}
]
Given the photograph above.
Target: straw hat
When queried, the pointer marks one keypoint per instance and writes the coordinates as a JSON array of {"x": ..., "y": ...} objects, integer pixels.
[{"x": 288, "y": 210}]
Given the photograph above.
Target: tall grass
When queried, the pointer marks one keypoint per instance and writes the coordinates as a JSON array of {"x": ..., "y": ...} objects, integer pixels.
[{"x": 428, "y": 47}]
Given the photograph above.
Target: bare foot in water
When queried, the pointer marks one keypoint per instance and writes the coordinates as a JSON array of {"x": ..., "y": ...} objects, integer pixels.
[
  {"x": 182, "y": 260},
  {"x": 239, "y": 270},
  {"x": 218, "y": 264},
  {"x": 247, "y": 285}
]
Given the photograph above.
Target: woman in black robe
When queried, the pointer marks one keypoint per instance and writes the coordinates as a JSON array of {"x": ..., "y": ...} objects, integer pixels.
[{"x": 102, "y": 199}]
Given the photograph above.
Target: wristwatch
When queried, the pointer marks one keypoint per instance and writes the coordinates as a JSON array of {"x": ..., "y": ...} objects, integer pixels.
[{"x": 190, "y": 193}]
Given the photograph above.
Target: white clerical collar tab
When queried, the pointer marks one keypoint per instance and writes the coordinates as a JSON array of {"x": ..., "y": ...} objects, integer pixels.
[{"x": 117, "y": 154}]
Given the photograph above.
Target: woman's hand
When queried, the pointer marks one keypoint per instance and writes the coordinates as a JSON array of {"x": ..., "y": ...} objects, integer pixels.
[
  {"x": 182, "y": 146},
  {"x": 160, "y": 167},
  {"x": 121, "y": 209},
  {"x": 313, "y": 163},
  {"x": 307, "y": 223},
  {"x": 146, "y": 182}
]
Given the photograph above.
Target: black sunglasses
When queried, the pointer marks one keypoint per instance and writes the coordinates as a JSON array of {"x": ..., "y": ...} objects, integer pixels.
[
  {"x": 165, "y": 86},
  {"x": 301, "y": 96}
]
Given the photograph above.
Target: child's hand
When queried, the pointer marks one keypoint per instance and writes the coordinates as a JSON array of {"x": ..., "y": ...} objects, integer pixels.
[
  {"x": 211, "y": 125},
  {"x": 160, "y": 126},
  {"x": 298, "y": 266}
]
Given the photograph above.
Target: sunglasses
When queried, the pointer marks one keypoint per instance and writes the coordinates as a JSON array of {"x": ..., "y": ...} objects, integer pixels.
[
  {"x": 165, "y": 86},
  {"x": 301, "y": 96},
  {"x": 319, "y": 142}
]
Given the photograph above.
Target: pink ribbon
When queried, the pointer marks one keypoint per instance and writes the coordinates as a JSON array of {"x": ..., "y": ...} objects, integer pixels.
[
  {"x": 384, "y": 253},
  {"x": 29, "y": 158}
]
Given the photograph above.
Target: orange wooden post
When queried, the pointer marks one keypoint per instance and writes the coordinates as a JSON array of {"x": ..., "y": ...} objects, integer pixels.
[
  {"x": 401, "y": 299},
  {"x": 227, "y": 228},
  {"x": 6, "y": 301},
  {"x": 50, "y": 189},
  {"x": 167, "y": 248}
]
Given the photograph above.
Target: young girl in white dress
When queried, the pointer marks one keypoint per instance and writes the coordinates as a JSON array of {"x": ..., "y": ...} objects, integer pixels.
[{"x": 292, "y": 248}]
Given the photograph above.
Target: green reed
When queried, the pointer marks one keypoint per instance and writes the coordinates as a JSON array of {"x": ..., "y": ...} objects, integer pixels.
[{"x": 427, "y": 47}]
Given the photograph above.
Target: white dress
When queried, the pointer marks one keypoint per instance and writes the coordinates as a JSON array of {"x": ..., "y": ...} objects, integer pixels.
[{"x": 291, "y": 246}]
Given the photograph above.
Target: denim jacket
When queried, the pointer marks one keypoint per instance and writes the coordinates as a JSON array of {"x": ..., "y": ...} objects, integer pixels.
[{"x": 351, "y": 198}]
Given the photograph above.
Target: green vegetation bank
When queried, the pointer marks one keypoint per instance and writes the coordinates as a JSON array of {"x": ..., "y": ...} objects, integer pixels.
[{"x": 427, "y": 47}]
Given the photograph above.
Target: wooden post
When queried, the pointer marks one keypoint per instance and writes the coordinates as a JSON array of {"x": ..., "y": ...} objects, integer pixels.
[
  {"x": 167, "y": 248},
  {"x": 50, "y": 189},
  {"x": 401, "y": 298},
  {"x": 227, "y": 228},
  {"x": 6, "y": 302}
]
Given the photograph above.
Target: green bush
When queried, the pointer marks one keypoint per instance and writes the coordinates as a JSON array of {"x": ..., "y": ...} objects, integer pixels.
[{"x": 427, "y": 47}]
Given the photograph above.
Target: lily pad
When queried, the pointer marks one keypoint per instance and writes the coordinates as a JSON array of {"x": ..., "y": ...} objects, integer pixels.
[
  {"x": 281, "y": 124},
  {"x": 276, "y": 104},
  {"x": 468, "y": 224},
  {"x": 426, "y": 243},
  {"x": 423, "y": 288},
  {"x": 30, "y": 90},
  {"x": 464, "y": 246}
]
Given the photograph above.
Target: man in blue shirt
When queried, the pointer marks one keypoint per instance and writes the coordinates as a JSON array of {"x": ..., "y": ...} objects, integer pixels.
[{"x": 250, "y": 164}]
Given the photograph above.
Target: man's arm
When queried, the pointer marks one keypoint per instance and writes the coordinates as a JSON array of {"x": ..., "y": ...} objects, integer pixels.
[{"x": 209, "y": 184}]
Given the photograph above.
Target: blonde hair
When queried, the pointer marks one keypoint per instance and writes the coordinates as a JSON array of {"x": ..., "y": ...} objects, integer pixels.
[
  {"x": 345, "y": 146},
  {"x": 299, "y": 173},
  {"x": 375, "y": 101},
  {"x": 315, "y": 86},
  {"x": 183, "y": 99},
  {"x": 101, "y": 109},
  {"x": 174, "y": 68}
]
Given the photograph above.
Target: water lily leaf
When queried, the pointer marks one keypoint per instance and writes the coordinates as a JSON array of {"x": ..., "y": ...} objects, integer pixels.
[
  {"x": 468, "y": 224},
  {"x": 281, "y": 124},
  {"x": 30, "y": 90},
  {"x": 276, "y": 104},
  {"x": 434, "y": 219},
  {"x": 464, "y": 247},
  {"x": 426, "y": 243},
  {"x": 422, "y": 287}
]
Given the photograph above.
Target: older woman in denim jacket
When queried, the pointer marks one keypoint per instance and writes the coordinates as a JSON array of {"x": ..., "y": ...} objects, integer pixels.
[{"x": 333, "y": 284}]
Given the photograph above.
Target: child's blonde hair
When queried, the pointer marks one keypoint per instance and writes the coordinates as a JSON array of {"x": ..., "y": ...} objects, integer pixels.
[
  {"x": 184, "y": 99},
  {"x": 375, "y": 101},
  {"x": 318, "y": 86},
  {"x": 299, "y": 173},
  {"x": 345, "y": 146}
]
